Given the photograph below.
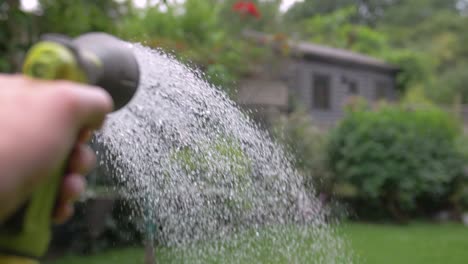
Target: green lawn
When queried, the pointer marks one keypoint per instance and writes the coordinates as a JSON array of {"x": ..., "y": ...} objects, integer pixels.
[
  {"x": 373, "y": 244},
  {"x": 413, "y": 244}
]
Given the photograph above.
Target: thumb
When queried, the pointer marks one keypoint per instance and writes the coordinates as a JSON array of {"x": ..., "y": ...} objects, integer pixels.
[{"x": 85, "y": 106}]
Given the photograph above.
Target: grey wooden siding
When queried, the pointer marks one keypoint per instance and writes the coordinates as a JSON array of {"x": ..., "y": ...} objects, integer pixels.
[{"x": 340, "y": 77}]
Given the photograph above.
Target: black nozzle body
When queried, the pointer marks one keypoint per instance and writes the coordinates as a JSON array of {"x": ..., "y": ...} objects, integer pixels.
[{"x": 116, "y": 69}]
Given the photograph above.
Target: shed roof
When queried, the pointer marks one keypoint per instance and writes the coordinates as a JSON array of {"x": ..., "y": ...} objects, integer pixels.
[{"x": 311, "y": 50}]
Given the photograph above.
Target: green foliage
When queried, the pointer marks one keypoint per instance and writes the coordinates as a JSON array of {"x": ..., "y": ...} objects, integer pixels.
[
  {"x": 71, "y": 18},
  {"x": 193, "y": 22},
  {"x": 330, "y": 29},
  {"x": 440, "y": 37},
  {"x": 451, "y": 84},
  {"x": 77, "y": 17},
  {"x": 227, "y": 151},
  {"x": 219, "y": 165},
  {"x": 403, "y": 13},
  {"x": 219, "y": 75},
  {"x": 425, "y": 38},
  {"x": 417, "y": 243},
  {"x": 372, "y": 12},
  {"x": 310, "y": 8},
  {"x": 416, "y": 96},
  {"x": 308, "y": 145},
  {"x": 401, "y": 160},
  {"x": 415, "y": 68},
  {"x": 438, "y": 42},
  {"x": 338, "y": 30},
  {"x": 197, "y": 32},
  {"x": 15, "y": 34}
]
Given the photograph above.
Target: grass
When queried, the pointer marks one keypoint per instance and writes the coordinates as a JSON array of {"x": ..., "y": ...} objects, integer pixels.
[
  {"x": 414, "y": 244},
  {"x": 120, "y": 256},
  {"x": 373, "y": 244}
]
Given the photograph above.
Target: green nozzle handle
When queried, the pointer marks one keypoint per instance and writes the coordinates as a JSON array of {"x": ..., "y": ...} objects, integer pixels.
[{"x": 94, "y": 58}]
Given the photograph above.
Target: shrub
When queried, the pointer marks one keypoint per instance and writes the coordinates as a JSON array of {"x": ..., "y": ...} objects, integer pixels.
[
  {"x": 217, "y": 182},
  {"x": 402, "y": 161},
  {"x": 308, "y": 145}
]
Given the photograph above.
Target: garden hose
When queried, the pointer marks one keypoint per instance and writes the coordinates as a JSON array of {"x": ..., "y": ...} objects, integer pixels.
[{"x": 94, "y": 58}]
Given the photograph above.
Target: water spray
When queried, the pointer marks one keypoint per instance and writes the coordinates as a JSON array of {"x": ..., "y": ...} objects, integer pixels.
[{"x": 94, "y": 58}]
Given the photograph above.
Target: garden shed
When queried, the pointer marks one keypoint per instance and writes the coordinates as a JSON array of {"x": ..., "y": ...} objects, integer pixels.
[{"x": 320, "y": 78}]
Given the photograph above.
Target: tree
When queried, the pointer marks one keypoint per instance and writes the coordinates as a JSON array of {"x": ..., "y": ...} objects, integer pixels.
[
  {"x": 205, "y": 33},
  {"x": 16, "y": 34},
  {"x": 71, "y": 18},
  {"x": 77, "y": 17},
  {"x": 370, "y": 11},
  {"x": 413, "y": 12},
  {"x": 374, "y": 12}
]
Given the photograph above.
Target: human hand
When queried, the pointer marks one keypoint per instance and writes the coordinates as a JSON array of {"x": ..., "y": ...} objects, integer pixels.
[{"x": 41, "y": 123}]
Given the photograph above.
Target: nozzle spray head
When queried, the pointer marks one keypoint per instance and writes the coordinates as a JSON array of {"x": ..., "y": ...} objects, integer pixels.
[
  {"x": 95, "y": 58},
  {"x": 118, "y": 72}
]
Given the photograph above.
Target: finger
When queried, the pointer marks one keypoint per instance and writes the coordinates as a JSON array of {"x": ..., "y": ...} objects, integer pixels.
[
  {"x": 82, "y": 160},
  {"x": 94, "y": 104},
  {"x": 63, "y": 213},
  {"x": 73, "y": 186},
  {"x": 86, "y": 105},
  {"x": 85, "y": 136}
]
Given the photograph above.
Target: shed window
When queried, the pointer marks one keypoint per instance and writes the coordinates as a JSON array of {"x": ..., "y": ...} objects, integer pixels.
[
  {"x": 353, "y": 88},
  {"x": 321, "y": 92}
]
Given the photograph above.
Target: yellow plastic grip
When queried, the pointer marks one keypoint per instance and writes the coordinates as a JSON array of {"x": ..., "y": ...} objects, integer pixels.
[
  {"x": 30, "y": 237},
  {"x": 16, "y": 260},
  {"x": 52, "y": 61}
]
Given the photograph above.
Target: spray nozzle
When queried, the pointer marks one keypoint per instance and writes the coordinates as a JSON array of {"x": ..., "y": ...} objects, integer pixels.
[{"x": 95, "y": 58}]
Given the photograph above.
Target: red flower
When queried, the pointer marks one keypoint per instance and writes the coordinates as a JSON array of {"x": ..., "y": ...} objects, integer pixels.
[{"x": 246, "y": 7}]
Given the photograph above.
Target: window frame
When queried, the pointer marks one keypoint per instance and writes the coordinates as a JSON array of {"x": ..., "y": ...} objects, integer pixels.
[{"x": 321, "y": 93}]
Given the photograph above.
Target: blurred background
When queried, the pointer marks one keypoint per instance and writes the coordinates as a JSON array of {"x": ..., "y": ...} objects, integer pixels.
[{"x": 370, "y": 96}]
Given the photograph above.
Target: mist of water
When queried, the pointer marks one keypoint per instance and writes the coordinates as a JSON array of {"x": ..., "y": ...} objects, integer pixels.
[{"x": 206, "y": 179}]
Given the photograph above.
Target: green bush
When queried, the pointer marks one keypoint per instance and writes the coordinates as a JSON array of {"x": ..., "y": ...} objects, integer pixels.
[
  {"x": 221, "y": 172},
  {"x": 403, "y": 162},
  {"x": 307, "y": 143}
]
